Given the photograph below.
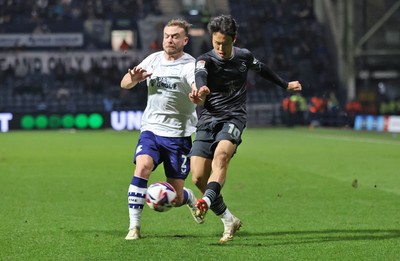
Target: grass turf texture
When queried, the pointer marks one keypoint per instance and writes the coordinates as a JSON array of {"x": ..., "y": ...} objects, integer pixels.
[{"x": 63, "y": 197}]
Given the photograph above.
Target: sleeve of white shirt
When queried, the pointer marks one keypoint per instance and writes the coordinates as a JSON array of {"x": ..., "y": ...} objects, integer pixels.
[{"x": 189, "y": 76}]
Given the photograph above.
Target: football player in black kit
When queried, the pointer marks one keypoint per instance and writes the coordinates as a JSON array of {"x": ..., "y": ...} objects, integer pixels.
[{"x": 221, "y": 76}]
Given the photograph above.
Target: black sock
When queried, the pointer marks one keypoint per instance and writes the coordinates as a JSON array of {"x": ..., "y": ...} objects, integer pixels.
[
  {"x": 218, "y": 206},
  {"x": 212, "y": 191}
]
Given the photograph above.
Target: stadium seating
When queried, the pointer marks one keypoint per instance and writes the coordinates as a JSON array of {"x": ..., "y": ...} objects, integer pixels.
[{"x": 284, "y": 34}]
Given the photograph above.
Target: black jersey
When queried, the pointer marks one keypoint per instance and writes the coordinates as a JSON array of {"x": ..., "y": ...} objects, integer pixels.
[{"x": 227, "y": 80}]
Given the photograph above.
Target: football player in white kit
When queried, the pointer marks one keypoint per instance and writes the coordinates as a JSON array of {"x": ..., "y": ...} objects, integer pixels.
[{"x": 168, "y": 121}]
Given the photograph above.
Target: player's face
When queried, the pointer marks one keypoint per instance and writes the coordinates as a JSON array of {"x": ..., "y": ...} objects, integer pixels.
[
  {"x": 223, "y": 45},
  {"x": 174, "y": 40}
]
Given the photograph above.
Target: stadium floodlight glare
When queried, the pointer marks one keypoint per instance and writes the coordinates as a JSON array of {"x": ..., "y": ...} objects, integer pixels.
[{"x": 194, "y": 12}]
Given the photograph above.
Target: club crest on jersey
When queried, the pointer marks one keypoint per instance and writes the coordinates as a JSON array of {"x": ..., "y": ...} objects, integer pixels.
[
  {"x": 200, "y": 64},
  {"x": 242, "y": 67}
]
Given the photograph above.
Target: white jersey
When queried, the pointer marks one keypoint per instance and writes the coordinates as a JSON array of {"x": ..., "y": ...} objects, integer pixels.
[{"x": 169, "y": 112}]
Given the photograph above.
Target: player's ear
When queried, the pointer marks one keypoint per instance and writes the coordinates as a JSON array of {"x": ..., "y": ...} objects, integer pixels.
[
  {"x": 186, "y": 40},
  {"x": 233, "y": 39}
]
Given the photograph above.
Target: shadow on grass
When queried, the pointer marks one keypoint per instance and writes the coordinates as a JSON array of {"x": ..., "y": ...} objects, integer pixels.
[
  {"x": 122, "y": 234},
  {"x": 318, "y": 236},
  {"x": 279, "y": 238}
]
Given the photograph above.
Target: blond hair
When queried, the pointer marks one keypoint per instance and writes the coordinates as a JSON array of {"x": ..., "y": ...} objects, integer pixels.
[{"x": 180, "y": 23}]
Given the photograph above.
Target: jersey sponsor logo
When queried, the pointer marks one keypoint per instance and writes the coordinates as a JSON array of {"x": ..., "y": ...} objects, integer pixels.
[
  {"x": 200, "y": 64},
  {"x": 164, "y": 83}
]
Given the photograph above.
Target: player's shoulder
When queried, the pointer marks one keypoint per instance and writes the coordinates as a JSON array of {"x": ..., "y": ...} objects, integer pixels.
[
  {"x": 242, "y": 52},
  {"x": 202, "y": 60},
  {"x": 206, "y": 56},
  {"x": 187, "y": 58},
  {"x": 187, "y": 61},
  {"x": 151, "y": 58},
  {"x": 155, "y": 55}
]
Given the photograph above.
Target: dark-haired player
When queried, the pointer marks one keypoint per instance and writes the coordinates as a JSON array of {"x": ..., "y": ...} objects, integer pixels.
[{"x": 221, "y": 76}]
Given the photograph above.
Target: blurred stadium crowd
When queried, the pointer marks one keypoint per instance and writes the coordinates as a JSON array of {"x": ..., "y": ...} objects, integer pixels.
[{"x": 284, "y": 34}]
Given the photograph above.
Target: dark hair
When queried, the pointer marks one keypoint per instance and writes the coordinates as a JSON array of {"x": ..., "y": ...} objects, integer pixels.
[
  {"x": 180, "y": 23},
  {"x": 224, "y": 24}
]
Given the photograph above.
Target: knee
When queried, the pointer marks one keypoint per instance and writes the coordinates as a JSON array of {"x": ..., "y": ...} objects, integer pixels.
[{"x": 143, "y": 171}]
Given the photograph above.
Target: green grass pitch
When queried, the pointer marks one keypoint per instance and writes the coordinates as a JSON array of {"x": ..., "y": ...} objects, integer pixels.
[{"x": 301, "y": 195}]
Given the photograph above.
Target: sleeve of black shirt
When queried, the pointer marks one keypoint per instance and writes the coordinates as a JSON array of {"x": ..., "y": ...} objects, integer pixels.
[
  {"x": 200, "y": 72},
  {"x": 262, "y": 69}
]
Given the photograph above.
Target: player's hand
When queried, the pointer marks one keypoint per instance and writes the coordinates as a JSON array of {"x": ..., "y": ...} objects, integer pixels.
[
  {"x": 294, "y": 86},
  {"x": 138, "y": 74},
  {"x": 204, "y": 91},
  {"x": 133, "y": 77},
  {"x": 198, "y": 96}
]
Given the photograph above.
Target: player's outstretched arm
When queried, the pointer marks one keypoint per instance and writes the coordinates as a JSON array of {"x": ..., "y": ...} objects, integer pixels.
[
  {"x": 199, "y": 96},
  {"x": 133, "y": 77},
  {"x": 294, "y": 86}
]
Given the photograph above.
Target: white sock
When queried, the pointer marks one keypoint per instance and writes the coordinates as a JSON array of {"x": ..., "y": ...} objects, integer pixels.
[
  {"x": 136, "y": 201},
  {"x": 208, "y": 201},
  {"x": 191, "y": 201},
  {"x": 226, "y": 217}
]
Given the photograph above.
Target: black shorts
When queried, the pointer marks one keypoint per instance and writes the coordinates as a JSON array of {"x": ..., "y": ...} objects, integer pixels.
[{"x": 208, "y": 136}]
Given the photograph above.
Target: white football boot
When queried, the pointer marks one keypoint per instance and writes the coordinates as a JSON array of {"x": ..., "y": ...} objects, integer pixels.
[
  {"x": 230, "y": 228},
  {"x": 193, "y": 208},
  {"x": 133, "y": 234}
]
